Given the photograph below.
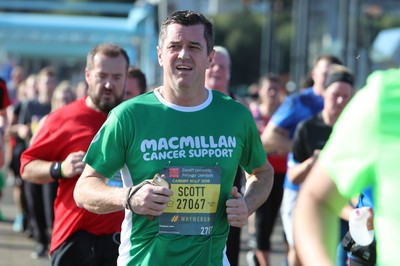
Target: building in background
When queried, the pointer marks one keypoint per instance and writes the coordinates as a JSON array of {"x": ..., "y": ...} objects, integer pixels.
[{"x": 35, "y": 33}]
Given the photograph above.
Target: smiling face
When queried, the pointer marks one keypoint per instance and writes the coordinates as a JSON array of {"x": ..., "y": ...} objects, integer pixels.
[{"x": 183, "y": 57}]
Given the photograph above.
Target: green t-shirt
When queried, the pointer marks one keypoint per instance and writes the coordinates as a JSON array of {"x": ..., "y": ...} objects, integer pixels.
[
  {"x": 147, "y": 135},
  {"x": 364, "y": 151}
]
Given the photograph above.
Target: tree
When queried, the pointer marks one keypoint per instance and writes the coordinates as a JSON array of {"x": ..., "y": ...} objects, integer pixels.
[{"x": 240, "y": 33}]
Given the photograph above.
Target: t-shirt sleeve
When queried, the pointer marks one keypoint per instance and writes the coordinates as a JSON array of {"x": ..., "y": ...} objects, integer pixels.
[
  {"x": 299, "y": 143},
  {"x": 106, "y": 153},
  {"x": 253, "y": 155},
  {"x": 350, "y": 154},
  {"x": 46, "y": 137},
  {"x": 285, "y": 114}
]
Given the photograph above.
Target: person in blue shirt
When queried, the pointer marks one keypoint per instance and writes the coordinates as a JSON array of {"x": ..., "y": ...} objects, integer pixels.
[{"x": 278, "y": 135}]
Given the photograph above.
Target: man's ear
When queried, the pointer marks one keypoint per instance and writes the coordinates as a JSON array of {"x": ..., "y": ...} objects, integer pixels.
[
  {"x": 159, "y": 56},
  {"x": 87, "y": 75},
  {"x": 210, "y": 58}
]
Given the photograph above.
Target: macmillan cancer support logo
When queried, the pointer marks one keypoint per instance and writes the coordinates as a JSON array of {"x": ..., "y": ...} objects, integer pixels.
[{"x": 188, "y": 147}]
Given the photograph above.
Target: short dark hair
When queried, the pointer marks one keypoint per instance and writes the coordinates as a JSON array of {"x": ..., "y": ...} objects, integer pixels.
[
  {"x": 47, "y": 71},
  {"x": 108, "y": 49},
  {"x": 189, "y": 18},
  {"x": 134, "y": 72},
  {"x": 271, "y": 77},
  {"x": 330, "y": 58}
]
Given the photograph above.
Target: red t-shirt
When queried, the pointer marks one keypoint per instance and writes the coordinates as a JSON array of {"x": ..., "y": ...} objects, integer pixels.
[
  {"x": 278, "y": 161},
  {"x": 70, "y": 129},
  {"x": 4, "y": 98}
]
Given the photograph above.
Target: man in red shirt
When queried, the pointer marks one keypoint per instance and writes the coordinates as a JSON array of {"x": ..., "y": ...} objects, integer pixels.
[{"x": 79, "y": 237}]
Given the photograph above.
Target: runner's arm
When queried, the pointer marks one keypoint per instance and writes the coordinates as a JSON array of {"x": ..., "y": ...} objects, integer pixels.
[
  {"x": 276, "y": 139},
  {"x": 258, "y": 186},
  {"x": 316, "y": 223},
  {"x": 38, "y": 171},
  {"x": 92, "y": 193},
  {"x": 298, "y": 173}
]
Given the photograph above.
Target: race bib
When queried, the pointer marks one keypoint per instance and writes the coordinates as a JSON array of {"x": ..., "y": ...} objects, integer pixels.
[
  {"x": 192, "y": 208},
  {"x": 116, "y": 181}
]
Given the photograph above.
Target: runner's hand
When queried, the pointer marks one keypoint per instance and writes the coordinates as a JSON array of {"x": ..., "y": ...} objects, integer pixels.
[
  {"x": 236, "y": 209},
  {"x": 150, "y": 200},
  {"x": 73, "y": 164}
]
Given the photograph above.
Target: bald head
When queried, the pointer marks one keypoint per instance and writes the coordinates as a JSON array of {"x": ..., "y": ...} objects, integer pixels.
[{"x": 219, "y": 72}]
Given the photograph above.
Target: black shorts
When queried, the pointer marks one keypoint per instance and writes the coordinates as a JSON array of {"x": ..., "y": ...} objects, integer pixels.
[
  {"x": 266, "y": 214},
  {"x": 85, "y": 249}
]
